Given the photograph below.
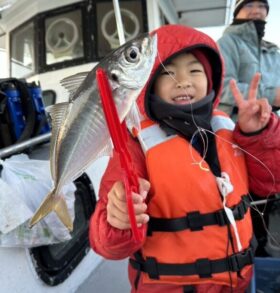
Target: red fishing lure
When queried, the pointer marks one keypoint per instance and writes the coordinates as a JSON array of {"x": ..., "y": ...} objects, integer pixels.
[{"x": 119, "y": 138}]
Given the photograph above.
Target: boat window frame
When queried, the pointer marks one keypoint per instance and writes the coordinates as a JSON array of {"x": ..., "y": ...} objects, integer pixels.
[
  {"x": 14, "y": 32},
  {"x": 89, "y": 18}
]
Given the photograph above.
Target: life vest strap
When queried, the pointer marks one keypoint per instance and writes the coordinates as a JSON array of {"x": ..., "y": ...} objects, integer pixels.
[
  {"x": 195, "y": 221},
  {"x": 203, "y": 267}
]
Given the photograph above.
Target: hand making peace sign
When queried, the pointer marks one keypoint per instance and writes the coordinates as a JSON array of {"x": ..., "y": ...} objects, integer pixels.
[{"x": 253, "y": 113}]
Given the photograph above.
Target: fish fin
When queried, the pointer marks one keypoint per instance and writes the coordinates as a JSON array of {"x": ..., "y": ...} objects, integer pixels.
[
  {"x": 53, "y": 204},
  {"x": 62, "y": 212},
  {"x": 57, "y": 113},
  {"x": 133, "y": 117},
  {"x": 72, "y": 82}
]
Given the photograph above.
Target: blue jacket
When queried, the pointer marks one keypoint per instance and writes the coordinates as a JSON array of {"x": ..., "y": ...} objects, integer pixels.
[{"x": 244, "y": 55}]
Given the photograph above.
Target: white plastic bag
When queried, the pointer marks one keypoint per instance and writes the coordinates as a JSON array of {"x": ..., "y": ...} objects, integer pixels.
[
  {"x": 31, "y": 182},
  {"x": 13, "y": 211}
]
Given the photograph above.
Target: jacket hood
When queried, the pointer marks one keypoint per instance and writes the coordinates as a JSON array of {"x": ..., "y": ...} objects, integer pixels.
[{"x": 173, "y": 40}]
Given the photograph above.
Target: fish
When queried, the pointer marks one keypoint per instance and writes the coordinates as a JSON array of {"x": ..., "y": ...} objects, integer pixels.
[{"x": 79, "y": 131}]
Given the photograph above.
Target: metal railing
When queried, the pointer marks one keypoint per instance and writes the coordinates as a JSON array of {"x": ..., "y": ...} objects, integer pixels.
[{"x": 16, "y": 148}]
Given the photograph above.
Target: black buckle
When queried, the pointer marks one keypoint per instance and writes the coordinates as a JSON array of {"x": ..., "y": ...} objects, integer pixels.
[
  {"x": 152, "y": 268},
  {"x": 203, "y": 267},
  {"x": 194, "y": 221},
  {"x": 238, "y": 261},
  {"x": 241, "y": 209}
]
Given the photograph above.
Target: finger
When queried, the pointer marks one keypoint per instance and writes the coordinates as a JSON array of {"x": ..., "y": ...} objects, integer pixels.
[
  {"x": 117, "y": 199},
  {"x": 116, "y": 223},
  {"x": 253, "y": 90},
  {"x": 138, "y": 204},
  {"x": 144, "y": 187},
  {"x": 140, "y": 208},
  {"x": 238, "y": 97},
  {"x": 140, "y": 216},
  {"x": 122, "y": 221},
  {"x": 119, "y": 191},
  {"x": 137, "y": 198},
  {"x": 142, "y": 219},
  {"x": 121, "y": 212},
  {"x": 121, "y": 205},
  {"x": 114, "y": 211},
  {"x": 265, "y": 109}
]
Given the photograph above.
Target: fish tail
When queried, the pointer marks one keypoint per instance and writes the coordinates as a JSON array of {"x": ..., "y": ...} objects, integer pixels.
[{"x": 55, "y": 204}]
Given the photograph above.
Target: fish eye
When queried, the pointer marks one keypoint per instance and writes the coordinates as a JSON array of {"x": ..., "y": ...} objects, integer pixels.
[{"x": 132, "y": 54}]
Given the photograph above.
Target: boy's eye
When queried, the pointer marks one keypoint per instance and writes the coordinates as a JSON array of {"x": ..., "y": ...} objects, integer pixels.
[
  {"x": 166, "y": 72},
  {"x": 196, "y": 70}
]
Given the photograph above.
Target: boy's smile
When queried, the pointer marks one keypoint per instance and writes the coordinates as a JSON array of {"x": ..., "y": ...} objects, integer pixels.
[
  {"x": 182, "y": 81},
  {"x": 182, "y": 99}
]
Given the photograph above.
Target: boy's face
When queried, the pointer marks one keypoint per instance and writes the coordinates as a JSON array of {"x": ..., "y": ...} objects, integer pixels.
[{"x": 183, "y": 81}]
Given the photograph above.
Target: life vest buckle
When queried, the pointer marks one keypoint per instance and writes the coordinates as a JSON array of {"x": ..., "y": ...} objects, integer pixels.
[
  {"x": 194, "y": 221},
  {"x": 238, "y": 261},
  {"x": 241, "y": 209},
  {"x": 152, "y": 270},
  {"x": 204, "y": 269}
]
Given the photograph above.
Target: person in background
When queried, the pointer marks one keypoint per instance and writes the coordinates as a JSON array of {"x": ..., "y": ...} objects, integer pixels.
[
  {"x": 245, "y": 53},
  {"x": 194, "y": 181}
]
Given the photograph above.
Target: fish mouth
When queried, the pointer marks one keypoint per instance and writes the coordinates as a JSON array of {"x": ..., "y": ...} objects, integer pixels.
[{"x": 118, "y": 78}]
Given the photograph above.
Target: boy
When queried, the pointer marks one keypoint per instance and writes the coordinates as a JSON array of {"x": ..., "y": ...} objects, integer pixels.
[{"x": 193, "y": 180}]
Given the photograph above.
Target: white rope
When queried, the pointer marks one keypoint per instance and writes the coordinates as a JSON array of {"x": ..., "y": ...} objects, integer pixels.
[{"x": 226, "y": 188}]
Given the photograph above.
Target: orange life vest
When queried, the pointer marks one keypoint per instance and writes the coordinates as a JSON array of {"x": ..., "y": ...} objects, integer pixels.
[{"x": 194, "y": 251}]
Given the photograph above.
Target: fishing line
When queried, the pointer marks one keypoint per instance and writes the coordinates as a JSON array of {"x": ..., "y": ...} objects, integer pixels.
[
  {"x": 254, "y": 207},
  {"x": 252, "y": 156},
  {"x": 204, "y": 140}
]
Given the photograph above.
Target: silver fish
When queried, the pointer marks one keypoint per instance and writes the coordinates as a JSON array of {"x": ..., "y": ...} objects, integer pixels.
[{"x": 79, "y": 131}]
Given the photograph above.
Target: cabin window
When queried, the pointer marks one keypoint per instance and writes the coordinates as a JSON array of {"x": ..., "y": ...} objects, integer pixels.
[
  {"x": 75, "y": 34},
  {"x": 22, "y": 51},
  {"x": 133, "y": 24},
  {"x": 64, "y": 37},
  {"x": 49, "y": 97}
]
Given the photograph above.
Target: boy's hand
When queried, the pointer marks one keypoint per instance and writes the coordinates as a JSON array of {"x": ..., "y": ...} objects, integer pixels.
[
  {"x": 253, "y": 113},
  {"x": 117, "y": 214}
]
